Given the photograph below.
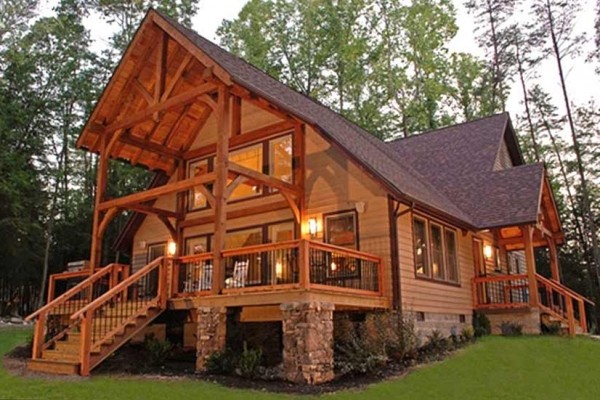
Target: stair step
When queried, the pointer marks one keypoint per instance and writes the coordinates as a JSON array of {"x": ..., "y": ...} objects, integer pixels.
[
  {"x": 56, "y": 355},
  {"x": 67, "y": 347},
  {"x": 53, "y": 367}
]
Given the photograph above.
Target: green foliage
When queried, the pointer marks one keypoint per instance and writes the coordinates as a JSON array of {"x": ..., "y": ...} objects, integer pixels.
[
  {"x": 436, "y": 343},
  {"x": 249, "y": 362},
  {"x": 221, "y": 363},
  {"x": 551, "y": 328},
  {"x": 467, "y": 334},
  {"x": 157, "y": 351},
  {"x": 366, "y": 346},
  {"x": 509, "y": 328},
  {"x": 481, "y": 324}
]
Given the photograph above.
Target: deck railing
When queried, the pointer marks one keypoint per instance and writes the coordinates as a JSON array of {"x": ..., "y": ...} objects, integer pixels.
[
  {"x": 284, "y": 265},
  {"x": 512, "y": 291},
  {"x": 60, "y": 283},
  {"x": 52, "y": 320}
]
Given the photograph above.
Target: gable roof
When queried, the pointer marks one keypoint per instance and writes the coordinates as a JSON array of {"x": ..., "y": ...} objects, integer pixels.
[{"x": 448, "y": 172}]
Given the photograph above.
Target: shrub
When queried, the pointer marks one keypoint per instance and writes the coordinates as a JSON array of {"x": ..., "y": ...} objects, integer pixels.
[
  {"x": 481, "y": 325},
  {"x": 467, "y": 334},
  {"x": 221, "y": 362},
  {"x": 355, "y": 357},
  {"x": 247, "y": 365},
  {"x": 436, "y": 343},
  {"x": 552, "y": 328},
  {"x": 508, "y": 328},
  {"x": 157, "y": 351}
]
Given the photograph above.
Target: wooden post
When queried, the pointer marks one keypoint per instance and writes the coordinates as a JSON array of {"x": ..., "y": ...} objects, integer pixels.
[
  {"x": 570, "y": 316},
  {"x": 86, "y": 343},
  {"x": 51, "y": 288},
  {"x": 530, "y": 260},
  {"x": 299, "y": 168},
  {"x": 180, "y": 209},
  {"x": 303, "y": 263},
  {"x": 38, "y": 336},
  {"x": 553, "y": 259},
  {"x": 582, "y": 317},
  {"x": 101, "y": 172},
  {"x": 220, "y": 186}
]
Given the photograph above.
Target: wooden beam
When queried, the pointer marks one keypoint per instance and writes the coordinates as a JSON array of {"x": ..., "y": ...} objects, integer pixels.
[
  {"x": 178, "y": 74},
  {"x": 142, "y": 90},
  {"x": 150, "y": 146},
  {"x": 196, "y": 129},
  {"x": 182, "y": 40},
  {"x": 176, "y": 125},
  {"x": 169, "y": 226},
  {"x": 110, "y": 214},
  {"x": 173, "y": 102},
  {"x": 260, "y": 209},
  {"x": 207, "y": 193},
  {"x": 299, "y": 170},
  {"x": 101, "y": 178},
  {"x": 530, "y": 261},
  {"x": 236, "y": 116},
  {"x": 293, "y": 205},
  {"x": 161, "y": 68},
  {"x": 146, "y": 209},
  {"x": 553, "y": 255},
  {"x": 243, "y": 139},
  {"x": 259, "y": 177},
  {"x": 263, "y": 104},
  {"x": 220, "y": 186},
  {"x": 233, "y": 185},
  {"x": 141, "y": 197}
]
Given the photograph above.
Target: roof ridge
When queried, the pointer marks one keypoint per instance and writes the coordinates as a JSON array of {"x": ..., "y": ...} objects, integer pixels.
[{"x": 438, "y": 130}]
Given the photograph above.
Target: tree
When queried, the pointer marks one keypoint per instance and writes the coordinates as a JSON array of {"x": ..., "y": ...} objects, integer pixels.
[
  {"x": 495, "y": 37},
  {"x": 469, "y": 86}
]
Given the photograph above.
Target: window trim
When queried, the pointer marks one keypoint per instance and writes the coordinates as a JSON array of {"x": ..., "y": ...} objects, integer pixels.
[
  {"x": 339, "y": 213},
  {"x": 444, "y": 227},
  {"x": 153, "y": 244}
]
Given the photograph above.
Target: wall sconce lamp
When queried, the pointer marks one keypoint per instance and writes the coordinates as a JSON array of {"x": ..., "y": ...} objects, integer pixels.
[
  {"x": 312, "y": 227},
  {"x": 143, "y": 244},
  {"x": 488, "y": 251},
  {"x": 171, "y": 248}
]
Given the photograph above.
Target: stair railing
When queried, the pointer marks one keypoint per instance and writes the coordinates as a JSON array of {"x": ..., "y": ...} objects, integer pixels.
[
  {"x": 560, "y": 301},
  {"x": 52, "y": 320},
  {"x": 109, "y": 314}
]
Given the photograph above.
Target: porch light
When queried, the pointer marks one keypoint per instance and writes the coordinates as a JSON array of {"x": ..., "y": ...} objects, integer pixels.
[
  {"x": 171, "y": 248},
  {"x": 488, "y": 251},
  {"x": 279, "y": 269},
  {"x": 312, "y": 227},
  {"x": 333, "y": 266}
]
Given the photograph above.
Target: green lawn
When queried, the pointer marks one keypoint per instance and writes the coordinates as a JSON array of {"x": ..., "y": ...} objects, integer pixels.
[{"x": 494, "y": 368}]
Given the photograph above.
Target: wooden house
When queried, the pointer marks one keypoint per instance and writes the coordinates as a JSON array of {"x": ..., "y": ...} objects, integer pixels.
[{"x": 269, "y": 208}]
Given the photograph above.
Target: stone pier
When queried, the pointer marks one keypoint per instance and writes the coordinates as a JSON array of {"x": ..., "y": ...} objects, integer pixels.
[
  {"x": 308, "y": 342},
  {"x": 211, "y": 334}
]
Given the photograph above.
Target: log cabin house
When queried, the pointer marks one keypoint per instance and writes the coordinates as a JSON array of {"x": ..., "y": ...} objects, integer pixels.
[{"x": 269, "y": 208}]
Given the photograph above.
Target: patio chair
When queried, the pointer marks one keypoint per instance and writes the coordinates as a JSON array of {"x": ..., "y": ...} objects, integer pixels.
[
  {"x": 205, "y": 282},
  {"x": 240, "y": 275}
]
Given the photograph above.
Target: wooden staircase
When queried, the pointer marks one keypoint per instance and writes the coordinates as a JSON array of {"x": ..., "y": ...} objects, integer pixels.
[{"x": 106, "y": 318}]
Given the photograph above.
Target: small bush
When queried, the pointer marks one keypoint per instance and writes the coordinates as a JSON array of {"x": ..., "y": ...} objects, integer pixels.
[
  {"x": 552, "y": 328},
  {"x": 221, "y": 363},
  {"x": 436, "y": 343},
  {"x": 247, "y": 365},
  {"x": 481, "y": 325},
  {"x": 355, "y": 357},
  {"x": 467, "y": 334},
  {"x": 508, "y": 328},
  {"x": 157, "y": 351}
]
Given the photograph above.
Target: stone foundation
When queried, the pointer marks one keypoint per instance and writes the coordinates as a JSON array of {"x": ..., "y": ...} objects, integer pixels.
[
  {"x": 211, "y": 333},
  {"x": 528, "y": 317},
  {"x": 308, "y": 342},
  {"x": 447, "y": 324}
]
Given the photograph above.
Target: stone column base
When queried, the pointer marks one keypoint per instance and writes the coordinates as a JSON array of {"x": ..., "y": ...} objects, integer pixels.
[
  {"x": 308, "y": 342},
  {"x": 528, "y": 317},
  {"x": 211, "y": 334}
]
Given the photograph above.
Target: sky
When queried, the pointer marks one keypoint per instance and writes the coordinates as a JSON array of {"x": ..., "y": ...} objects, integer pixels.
[{"x": 582, "y": 81}]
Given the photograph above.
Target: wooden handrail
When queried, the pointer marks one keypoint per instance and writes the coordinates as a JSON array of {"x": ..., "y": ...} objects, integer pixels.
[
  {"x": 69, "y": 293},
  {"x": 340, "y": 249},
  {"x": 122, "y": 285},
  {"x": 259, "y": 248},
  {"x": 195, "y": 258},
  {"x": 563, "y": 289}
]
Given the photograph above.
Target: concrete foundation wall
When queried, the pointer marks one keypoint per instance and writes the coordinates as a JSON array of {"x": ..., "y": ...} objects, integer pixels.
[{"x": 529, "y": 318}]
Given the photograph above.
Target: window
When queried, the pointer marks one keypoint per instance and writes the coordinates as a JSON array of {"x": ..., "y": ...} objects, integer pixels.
[
  {"x": 281, "y": 232},
  {"x": 197, "y": 245},
  {"x": 435, "y": 249},
  {"x": 341, "y": 229},
  {"x": 252, "y": 158},
  {"x": 420, "y": 243},
  {"x": 437, "y": 252},
  {"x": 156, "y": 250},
  {"x": 280, "y": 158},
  {"x": 197, "y": 199},
  {"x": 451, "y": 256}
]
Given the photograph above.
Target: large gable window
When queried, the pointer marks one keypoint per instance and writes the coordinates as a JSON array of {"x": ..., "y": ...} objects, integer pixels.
[{"x": 435, "y": 251}]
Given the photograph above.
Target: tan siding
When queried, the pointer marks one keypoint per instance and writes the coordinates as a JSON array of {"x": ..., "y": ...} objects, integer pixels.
[
  {"x": 503, "y": 160},
  {"x": 420, "y": 295},
  {"x": 334, "y": 183}
]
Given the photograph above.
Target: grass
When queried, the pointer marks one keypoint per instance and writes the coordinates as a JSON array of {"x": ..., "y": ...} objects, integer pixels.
[{"x": 494, "y": 368}]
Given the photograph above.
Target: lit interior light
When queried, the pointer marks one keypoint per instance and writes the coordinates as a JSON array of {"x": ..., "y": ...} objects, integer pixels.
[
  {"x": 279, "y": 269},
  {"x": 488, "y": 251},
  {"x": 312, "y": 227},
  {"x": 333, "y": 266},
  {"x": 171, "y": 248}
]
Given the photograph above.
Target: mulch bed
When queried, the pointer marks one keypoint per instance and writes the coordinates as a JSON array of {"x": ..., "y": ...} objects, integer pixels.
[{"x": 129, "y": 362}]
